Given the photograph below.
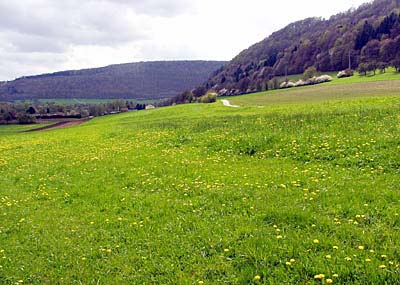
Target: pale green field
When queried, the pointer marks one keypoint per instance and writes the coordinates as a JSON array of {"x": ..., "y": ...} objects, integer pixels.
[{"x": 335, "y": 90}]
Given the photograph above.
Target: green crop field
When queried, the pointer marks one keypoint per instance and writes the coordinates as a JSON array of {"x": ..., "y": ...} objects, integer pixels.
[
  {"x": 300, "y": 191},
  {"x": 387, "y": 84}
]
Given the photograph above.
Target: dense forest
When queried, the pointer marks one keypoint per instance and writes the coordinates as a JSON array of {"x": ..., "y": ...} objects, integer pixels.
[
  {"x": 367, "y": 38},
  {"x": 143, "y": 80}
]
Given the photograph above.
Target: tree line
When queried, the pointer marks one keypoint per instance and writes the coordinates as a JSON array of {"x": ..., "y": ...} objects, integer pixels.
[{"x": 28, "y": 113}]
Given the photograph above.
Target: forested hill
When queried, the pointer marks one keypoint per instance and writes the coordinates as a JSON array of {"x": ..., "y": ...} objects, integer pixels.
[
  {"x": 143, "y": 80},
  {"x": 325, "y": 44}
]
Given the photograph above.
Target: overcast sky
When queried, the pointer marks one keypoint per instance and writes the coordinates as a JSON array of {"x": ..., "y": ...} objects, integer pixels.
[{"x": 38, "y": 36}]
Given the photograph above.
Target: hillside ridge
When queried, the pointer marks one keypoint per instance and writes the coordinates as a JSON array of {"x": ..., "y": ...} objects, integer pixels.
[
  {"x": 139, "y": 80},
  {"x": 326, "y": 44}
]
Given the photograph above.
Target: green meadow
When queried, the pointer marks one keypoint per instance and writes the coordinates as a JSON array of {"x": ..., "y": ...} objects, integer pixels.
[{"x": 298, "y": 186}]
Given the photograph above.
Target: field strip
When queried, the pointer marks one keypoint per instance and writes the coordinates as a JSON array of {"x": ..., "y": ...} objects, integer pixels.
[{"x": 60, "y": 125}]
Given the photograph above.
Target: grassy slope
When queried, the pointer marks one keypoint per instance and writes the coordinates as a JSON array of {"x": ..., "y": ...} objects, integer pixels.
[
  {"x": 205, "y": 192},
  {"x": 387, "y": 84},
  {"x": 14, "y": 129}
]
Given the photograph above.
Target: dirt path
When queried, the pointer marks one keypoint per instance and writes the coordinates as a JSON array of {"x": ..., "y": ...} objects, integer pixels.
[
  {"x": 60, "y": 125},
  {"x": 228, "y": 104}
]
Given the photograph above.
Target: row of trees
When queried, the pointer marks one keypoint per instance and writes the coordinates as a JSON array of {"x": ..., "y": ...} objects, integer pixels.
[
  {"x": 380, "y": 55},
  {"x": 27, "y": 113}
]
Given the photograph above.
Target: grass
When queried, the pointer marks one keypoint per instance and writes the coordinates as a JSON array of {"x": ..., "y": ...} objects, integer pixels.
[
  {"x": 13, "y": 129},
  {"x": 205, "y": 193},
  {"x": 338, "y": 89},
  {"x": 390, "y": 74}
]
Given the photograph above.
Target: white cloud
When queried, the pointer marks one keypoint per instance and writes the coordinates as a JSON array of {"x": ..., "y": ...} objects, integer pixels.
[{"x": 47, "y": 35}]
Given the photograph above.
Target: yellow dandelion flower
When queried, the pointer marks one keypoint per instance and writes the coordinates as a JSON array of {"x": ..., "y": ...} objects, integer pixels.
[
  {"x": 383, "y": 256},
  {"x": 335, "y": 247},
  {"x": 329, "y": 281},
  {"x": 367, "y": 260},
  {"x": 319, "y": 276},
  {"x": 335, "y": 275},
  {"x": 315, "y": 241},
  {"x": 328, "y": 256},
  {"x": 257, "y": 278},
  {"x": 382, "y": 266},
  {"x": 361, "y": 247},
  {"x": 292, "y": 260},
  {"x": 288, "y": 263},
  {"x": 348, "y": 259},
  {"x": 226, "y": 250},
  {"x": 200, "y": 282},
  {"x": 279, "y": 237}
]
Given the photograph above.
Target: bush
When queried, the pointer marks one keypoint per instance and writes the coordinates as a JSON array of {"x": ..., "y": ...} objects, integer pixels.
[
  {"x": 322, "y": 79},
  {"x": 300, "y": 83},
  {"x": 310, "y": 81},
  {"x": 210, "y": 97},
  {"x": 345, "y": 73},
  {"x": 310, "y": 73},
  {"x": 25, "y": 119},
  {"x": 273, "y": 84},
  {"x": 288, "y": 84}
]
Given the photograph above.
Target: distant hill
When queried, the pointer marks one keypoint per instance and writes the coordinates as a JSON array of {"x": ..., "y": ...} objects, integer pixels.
[
  {"x": 325, "y": 44},
  {"x": 143, "y": 80}
]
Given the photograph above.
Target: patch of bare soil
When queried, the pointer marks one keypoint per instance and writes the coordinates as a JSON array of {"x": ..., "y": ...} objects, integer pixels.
[{"x": 62, "y": 124}]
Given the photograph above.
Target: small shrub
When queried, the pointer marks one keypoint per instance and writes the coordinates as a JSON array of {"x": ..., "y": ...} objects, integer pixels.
[
  {"x": 323, "y": 79},
  {"x": 345, "y": 73},
  {"x": 310, "y": 73},
  {"x": 300, "y": 83},
  {"x": 25, "y": 119},
  {"x": 210, "y": 97},
  {"x": 288, "y": 84}
]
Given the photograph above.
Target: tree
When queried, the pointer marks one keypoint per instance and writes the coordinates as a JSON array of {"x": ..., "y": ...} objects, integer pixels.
[
  {"x": 31, "y": 110},
  {"x": 371, "y": 51},
  {"x": 396, "y": 63},
  {"x": 310, "y": 72},
  {"x": 25, "y": 119},
  {"x": 366, "y": 33},
  {"x": 387, "y": 51},
  {"x": 382, "y": 66},
  {"x": 273, "y": 84},
  {"x": 370, "y": 55},
  {"x": 210, "y": 97},
  {"x": 363, "y": 68},
  {"x": 199, "y": 91}
]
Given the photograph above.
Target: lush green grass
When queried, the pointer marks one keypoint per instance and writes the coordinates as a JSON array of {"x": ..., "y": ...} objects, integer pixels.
[
  {"x": 207, "y": 193},
  {"x": 12, "y": 129},
  {"x": 390, "y": 74}
]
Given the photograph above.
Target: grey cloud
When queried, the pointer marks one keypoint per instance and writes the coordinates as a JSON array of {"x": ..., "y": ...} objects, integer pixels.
[
  {"x": 163, "y": 8},
  {"x": 38, "y": 35},
  {"x": 89, "y": 23},
  {"x": 16, "y": 64}
]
